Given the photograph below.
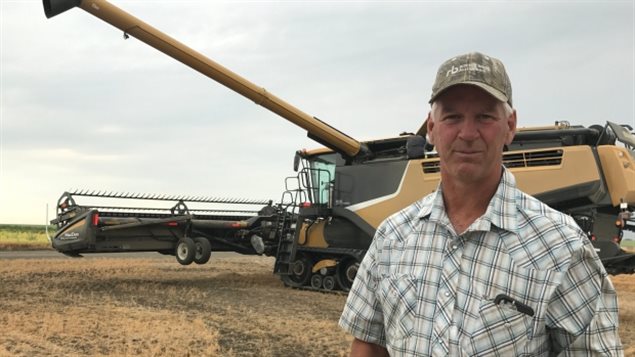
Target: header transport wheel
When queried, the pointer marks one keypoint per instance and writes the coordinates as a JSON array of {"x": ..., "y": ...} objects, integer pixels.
[
  {"x": 185, "y": 251},
  {"x": 203, "y": 250}
]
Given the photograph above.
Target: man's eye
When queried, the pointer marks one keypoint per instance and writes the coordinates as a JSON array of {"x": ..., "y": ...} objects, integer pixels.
[{"x": 486, "y": 117}]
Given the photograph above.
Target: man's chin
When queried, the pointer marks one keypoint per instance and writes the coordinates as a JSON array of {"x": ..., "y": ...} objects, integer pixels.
[{"x": 468, "y": 172}]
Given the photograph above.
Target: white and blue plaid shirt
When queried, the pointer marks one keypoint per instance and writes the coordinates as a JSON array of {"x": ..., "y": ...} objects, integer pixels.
[{"x": 424, "y": 290}]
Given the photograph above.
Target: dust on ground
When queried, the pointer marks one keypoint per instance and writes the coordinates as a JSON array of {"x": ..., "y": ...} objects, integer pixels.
[{"x": 150, "y": 307}]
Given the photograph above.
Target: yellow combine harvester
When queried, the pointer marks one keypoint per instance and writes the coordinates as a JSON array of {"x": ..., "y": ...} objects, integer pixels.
[{"x": 321, "y": 229}]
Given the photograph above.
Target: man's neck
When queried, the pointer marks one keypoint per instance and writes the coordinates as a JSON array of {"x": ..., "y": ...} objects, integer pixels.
[{"x": 466, "y": 201}]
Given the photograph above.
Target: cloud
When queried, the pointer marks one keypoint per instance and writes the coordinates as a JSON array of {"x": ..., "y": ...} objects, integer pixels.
[{"x": 81, "y": 107}]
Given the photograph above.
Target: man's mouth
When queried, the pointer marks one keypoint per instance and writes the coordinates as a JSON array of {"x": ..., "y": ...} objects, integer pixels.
[{"x": 468, "y": 152}]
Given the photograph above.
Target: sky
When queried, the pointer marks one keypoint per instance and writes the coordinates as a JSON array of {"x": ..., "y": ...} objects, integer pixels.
[{"x": 82, "y": 108}]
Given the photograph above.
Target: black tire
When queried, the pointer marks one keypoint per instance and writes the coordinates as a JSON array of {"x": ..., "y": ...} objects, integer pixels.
[
  {"x": 346, "y": 272},
  {"x": 328, "y": 282},
  {"x": 300, "y": 273},
  {"x": 316, "y": 281},
  {"x": 203, "y": 250},
  {"x": 185, "y": 250}
]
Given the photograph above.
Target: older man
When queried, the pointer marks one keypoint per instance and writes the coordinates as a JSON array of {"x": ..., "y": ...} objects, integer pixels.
[{"x": 478, "y": 268}]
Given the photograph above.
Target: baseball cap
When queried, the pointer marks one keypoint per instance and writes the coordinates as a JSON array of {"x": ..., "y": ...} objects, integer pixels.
[{"x": 485, "y": 72}]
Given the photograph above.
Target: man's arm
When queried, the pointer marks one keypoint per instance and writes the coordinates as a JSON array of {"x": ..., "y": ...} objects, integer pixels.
[
  {"x": 361, "y": 348},
  {"x": 601, "y": 336},
  {"x": 362, "y": 316},
  {"x": 584, "y": 315}
]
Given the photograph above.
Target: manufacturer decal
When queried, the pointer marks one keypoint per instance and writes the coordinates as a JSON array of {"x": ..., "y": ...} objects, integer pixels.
[{"x": 69, "y": 236}]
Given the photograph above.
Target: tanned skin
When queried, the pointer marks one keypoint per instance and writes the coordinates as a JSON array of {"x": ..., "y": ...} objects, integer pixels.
[
  {"x": 469, "y": 129},
  {"x": 361, "y": 348}
]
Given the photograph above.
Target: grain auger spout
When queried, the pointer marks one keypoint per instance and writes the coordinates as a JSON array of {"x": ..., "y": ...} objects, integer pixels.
[{"x": 132, "y": 26}]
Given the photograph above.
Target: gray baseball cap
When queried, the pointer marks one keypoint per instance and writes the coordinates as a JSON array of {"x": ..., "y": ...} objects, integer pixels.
[{"x": 485, "y": 72}]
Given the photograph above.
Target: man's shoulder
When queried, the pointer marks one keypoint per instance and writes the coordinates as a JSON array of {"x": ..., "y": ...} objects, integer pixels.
[
  {"x": 540, "y": 236},
  {"x": 405, "y": 221},
  {"x": 533, "y": 208},
  {"x": 536, "y": 216}
]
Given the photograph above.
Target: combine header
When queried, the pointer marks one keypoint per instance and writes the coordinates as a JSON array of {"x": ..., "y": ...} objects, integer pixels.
[
  {"x": 326, "y": 219},
  {"x": 172, "y": 227}
]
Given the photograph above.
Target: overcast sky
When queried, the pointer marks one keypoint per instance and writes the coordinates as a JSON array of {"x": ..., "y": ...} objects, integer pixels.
[{"x": 83, "y": 108}]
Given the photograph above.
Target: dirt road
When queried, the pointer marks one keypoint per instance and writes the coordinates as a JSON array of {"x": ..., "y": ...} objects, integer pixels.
[{"x": 232, "y": 306}]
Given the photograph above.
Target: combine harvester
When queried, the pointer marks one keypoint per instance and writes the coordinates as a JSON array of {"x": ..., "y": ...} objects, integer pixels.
[{"x": 325, "y": 221}]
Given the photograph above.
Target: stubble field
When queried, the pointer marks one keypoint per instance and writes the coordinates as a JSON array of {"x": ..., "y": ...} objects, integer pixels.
[{"x": 155, "y": 307}]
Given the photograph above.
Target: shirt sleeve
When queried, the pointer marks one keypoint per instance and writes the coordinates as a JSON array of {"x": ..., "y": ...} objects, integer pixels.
[
  {"x": 362, "y": 316},
  {"x": 583, "y": 316}
]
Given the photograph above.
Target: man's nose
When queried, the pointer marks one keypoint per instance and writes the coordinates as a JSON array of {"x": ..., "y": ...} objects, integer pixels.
[{"x": 469, "y": 130}]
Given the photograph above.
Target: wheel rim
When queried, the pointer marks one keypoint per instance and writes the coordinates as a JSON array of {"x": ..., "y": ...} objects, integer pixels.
[
  {"x": 316, "y": 281},
  {"x": 198, "y": 254},
  {"x": 299, "y": 267},
  {"x": 329, "y": 283},
  {"x": 346, "y": 272},
  {"x": 300, "y": 273},
  {"x": 351, "y": 272},
  {"x": 182, "y": 251}
]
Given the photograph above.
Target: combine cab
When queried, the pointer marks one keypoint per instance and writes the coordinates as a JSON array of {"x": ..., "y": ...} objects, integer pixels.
[{"x": 325, "y": 221}]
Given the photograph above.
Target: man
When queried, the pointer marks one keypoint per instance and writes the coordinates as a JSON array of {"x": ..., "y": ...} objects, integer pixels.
[{"x": 478, "y": 268}]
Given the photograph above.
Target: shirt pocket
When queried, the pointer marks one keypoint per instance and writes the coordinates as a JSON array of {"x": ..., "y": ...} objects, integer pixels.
[
  {"x": 505, "y": 328},
  {"x": 502, "y": 331},
  {"x": 398, "y": 297}
]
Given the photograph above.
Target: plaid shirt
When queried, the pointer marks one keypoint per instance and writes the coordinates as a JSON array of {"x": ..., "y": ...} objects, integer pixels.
[{"x": 424, "y": 290}]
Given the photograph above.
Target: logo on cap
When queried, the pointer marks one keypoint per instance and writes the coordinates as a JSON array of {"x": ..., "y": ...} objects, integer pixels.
[{"x": 468, "y": 67}]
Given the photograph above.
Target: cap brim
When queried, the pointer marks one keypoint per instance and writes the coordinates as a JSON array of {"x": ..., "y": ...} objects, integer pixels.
[{"x": 490, "y": 90}]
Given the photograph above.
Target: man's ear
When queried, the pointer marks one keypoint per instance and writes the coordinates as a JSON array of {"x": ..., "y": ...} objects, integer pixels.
[
  {"x": 511, "y": 123},
  {"x": 430, "y": 133}
]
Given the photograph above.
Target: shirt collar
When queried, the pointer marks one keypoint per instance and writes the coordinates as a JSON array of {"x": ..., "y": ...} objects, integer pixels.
[
  {"x": 432, "y": 205},
  {"x": 501, "y": 211}
]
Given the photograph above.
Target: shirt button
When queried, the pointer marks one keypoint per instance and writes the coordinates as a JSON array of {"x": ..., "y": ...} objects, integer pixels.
[
  {"x": 454, "y": 246},
  {"x": 447, "y": 294}
]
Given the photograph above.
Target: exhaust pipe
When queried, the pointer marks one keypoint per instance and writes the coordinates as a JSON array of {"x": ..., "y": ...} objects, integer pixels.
[{"x": 56, "y": 7}]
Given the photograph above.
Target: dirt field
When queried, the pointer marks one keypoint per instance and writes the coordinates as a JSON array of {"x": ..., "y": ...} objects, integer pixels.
[{"x": 154, "y": 307}]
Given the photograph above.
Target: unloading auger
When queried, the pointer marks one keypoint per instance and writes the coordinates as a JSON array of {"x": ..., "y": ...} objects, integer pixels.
[{"x": 132, "y": 26}]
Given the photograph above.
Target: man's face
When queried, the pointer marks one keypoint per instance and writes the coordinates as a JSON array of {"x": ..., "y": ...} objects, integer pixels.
[{"x": 469, "y": 128}]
